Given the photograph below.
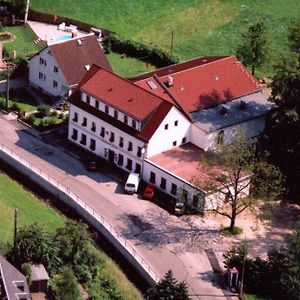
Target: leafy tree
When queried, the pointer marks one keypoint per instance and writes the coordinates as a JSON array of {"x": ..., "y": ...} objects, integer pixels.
[
  {"x": 239, "y": 161},
  {"x": 294, "y": 38},
  {"x": 168, "y": 288},
  {"x": 253, "y": 51},
  {"x": 65, "y": 286},
  {"x": 34, "y": 244},
  {"x": 282, "y": 137}
]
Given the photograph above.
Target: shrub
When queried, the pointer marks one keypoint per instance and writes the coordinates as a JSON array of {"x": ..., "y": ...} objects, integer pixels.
[
  {"x": 227, "y": 232},
  {"x": 43, "y": 110},
  {"x": 26, "y": 270},
  {"x": 61, "y": 116}
]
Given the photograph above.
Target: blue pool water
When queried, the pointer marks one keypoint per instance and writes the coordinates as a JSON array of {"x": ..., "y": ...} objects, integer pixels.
[{"x": 59, "y": 39}]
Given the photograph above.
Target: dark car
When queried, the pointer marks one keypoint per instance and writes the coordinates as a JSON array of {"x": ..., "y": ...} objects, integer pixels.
[
  {"x": 179, "y": 208},
  {"x": 149, "y": 192},
  {"x": 92, "y": 165}
]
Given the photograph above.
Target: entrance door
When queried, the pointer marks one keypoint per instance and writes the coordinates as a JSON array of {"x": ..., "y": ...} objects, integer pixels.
[{"x": 111, "y": 156}]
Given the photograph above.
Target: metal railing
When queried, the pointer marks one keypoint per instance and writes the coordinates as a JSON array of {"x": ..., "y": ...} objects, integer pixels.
[{"x": 122, "y": 241}]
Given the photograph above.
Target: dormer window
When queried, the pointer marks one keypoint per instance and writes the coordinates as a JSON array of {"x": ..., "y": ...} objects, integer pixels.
[
  {"x": 97, "y": 104},
  {"x": 125, "y": 119},
  {"x": 88, "y": 99},
  {"x": 106, "y": 109}
]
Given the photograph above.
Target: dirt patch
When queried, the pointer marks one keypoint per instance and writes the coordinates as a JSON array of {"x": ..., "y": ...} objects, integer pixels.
[{"x": 6, "y": 37}]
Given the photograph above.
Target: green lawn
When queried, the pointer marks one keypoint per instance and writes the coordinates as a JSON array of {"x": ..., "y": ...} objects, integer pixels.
[
  {"x": 207, "y": 27},
  {"x": 254, "y": 297},
  {"x": 127, "y": 66},
  {"x": 21, "y": 98},
  {"x": 23, "y": 44},
  {"x": 31, "y": 209}
]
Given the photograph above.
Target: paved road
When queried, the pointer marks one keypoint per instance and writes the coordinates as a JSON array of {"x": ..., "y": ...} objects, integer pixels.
[{"x": 164, "y": 241}]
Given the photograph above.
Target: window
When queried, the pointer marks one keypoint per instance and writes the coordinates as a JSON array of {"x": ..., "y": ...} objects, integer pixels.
[
  {"x": 174, "y": 143},
  {"x": 220, "y": 138},
  {"x": 93, "y": 128},
  {"x": 152, "y": 177},
  {"x": 163, "y": 183},
  {"x": 184, "y": 140},
  {"x": 125, "y": 119},
  {"x": 185, "y": 194},
  {"x": 93, "y": 145},
  {"x": 174, "y": 189},
  {"x": 129, "y": 164},
  {"x": 133, "y": 123},
  {"x": 139, "y": 152},
  {"x": 116, "y": 114},
  {"x": 42, "y": 76},
  {"x": 75, "y": 117},
  {"x": 83, "y": 139},
  {"x": 88, "y": 99},
  {"x": 176, "y": 123},
  {"x": 49, "y": 52},
  {"x": 106, "y": 109},
  {"x": 54, "y": 84},
  {"x": 55, "y": 69},
  {"x": 84, "y": 122},
  {"x": 138, "y": 168},
  {"x": 43, "y": 62},
  {"x": 120, "y": 160},
  {"x": 97, "y": 104},
  {"x": 195, "y": 201},
  {"x": 121, "y": 142},
  {"x": 166, "y": 126},
  {"x": 129, "y": 146},
  {"x": 102, "y": 132},
  {"x": 74, "y": 134},
  {"x": 112, "y": 137}
]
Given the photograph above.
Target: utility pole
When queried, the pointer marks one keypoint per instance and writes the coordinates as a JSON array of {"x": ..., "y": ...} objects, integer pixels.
[
  {"x": 172, "y": 39},
  {"x": 26, "y": 11},
  {"x": 15, "y": 229}
]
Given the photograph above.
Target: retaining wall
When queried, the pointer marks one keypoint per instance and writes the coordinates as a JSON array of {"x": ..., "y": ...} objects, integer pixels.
[{"x": 69, "y": 198}]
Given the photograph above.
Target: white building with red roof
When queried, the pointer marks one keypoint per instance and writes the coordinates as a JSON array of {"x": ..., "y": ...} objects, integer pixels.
[
  {"x": 160, "y": 123},
  {"x": 57, "y": 68}
]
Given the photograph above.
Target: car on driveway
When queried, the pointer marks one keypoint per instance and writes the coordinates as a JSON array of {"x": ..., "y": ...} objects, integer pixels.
[
  {"x": 92, "y": 165},
  {"x": 179, "y": 208},
  {"x": 149, "y": 192}
]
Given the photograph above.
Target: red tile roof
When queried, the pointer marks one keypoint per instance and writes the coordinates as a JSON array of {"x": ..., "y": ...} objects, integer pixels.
[
  {"x": 73, "y": 57},
  {"x": 153, "y": 114},
  {"x": 205, "y": 85},
  {"x": 121, "y": 94}
]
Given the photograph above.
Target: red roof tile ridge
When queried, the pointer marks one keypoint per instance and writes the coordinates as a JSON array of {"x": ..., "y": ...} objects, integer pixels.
[
  {"x": 204, "y": 65},
  {"x": 132, "y": 84}
]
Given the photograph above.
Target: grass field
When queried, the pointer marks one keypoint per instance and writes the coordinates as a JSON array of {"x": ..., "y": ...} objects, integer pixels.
[
  {"x": 31, "y": 209},
  {"x": 23, "y": 43},
  {"x": 207, "y": 27}
]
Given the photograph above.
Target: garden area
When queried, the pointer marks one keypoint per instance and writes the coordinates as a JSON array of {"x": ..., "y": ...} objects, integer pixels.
[{"x": 57, "y": 243}]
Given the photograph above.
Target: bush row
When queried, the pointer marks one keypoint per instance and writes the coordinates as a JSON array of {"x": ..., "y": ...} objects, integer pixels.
[{"x": 155, "y": 56}]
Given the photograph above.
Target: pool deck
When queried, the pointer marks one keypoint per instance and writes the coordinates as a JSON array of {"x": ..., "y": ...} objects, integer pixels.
[{"x": 46, "y": 32}]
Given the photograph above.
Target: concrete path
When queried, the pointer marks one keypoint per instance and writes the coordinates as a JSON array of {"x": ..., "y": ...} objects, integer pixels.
[
  {"x": 164, "y": 241},
  {"x": 46, "y": 32}
]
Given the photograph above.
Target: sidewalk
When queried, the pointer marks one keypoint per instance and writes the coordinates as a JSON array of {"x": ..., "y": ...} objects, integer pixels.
[{"x": 163, "y": 240}]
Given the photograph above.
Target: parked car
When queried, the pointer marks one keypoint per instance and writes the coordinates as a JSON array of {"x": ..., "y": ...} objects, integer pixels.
[
  {"x": 179, "y": 208},
  {"x": 149, "y": 192},
  {"x": 132, "y": 183},
  {"x": 92, "y": 165}
]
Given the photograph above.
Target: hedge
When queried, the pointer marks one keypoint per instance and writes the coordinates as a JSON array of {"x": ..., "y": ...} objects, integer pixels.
[{"x": 155, "y": 56}]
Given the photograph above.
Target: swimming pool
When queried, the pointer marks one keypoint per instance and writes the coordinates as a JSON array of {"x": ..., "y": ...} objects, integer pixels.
[{"x": 59, "y": 39}]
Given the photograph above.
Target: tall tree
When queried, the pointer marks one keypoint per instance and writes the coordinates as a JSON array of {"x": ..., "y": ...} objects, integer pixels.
[
  {"x": 253, "y": 49},
  {"x": 241, "y": 166},
  {"x": 282, "y": 137},
  {"x": 168, "y": 288}
]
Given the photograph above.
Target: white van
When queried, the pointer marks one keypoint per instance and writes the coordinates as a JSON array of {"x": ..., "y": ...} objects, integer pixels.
[{"x": 132, "y": 183}]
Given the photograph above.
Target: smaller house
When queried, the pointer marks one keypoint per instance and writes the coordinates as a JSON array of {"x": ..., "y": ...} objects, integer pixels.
[
  {"x": 13, "y": 284},
  {"x": 39, "y": 279},
  {"x": 57, "y": 69}
]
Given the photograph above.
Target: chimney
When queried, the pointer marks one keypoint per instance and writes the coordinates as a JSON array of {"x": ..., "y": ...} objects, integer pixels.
[{"x": 170, "y": 81}]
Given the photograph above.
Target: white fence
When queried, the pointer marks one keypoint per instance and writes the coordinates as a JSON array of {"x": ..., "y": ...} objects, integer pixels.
[{"x": 118, "y": 237}]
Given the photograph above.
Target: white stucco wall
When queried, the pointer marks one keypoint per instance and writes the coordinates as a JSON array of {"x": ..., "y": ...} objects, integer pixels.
[
  {"x": 47, "y": 84},
  {"x": 103, "y": 145},
  {"x": 163, "y": 139},
  {"x": 207, "y": 141}
]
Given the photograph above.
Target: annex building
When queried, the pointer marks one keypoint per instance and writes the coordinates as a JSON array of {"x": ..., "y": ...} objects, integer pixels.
[{"x": 160, "y": 124}]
